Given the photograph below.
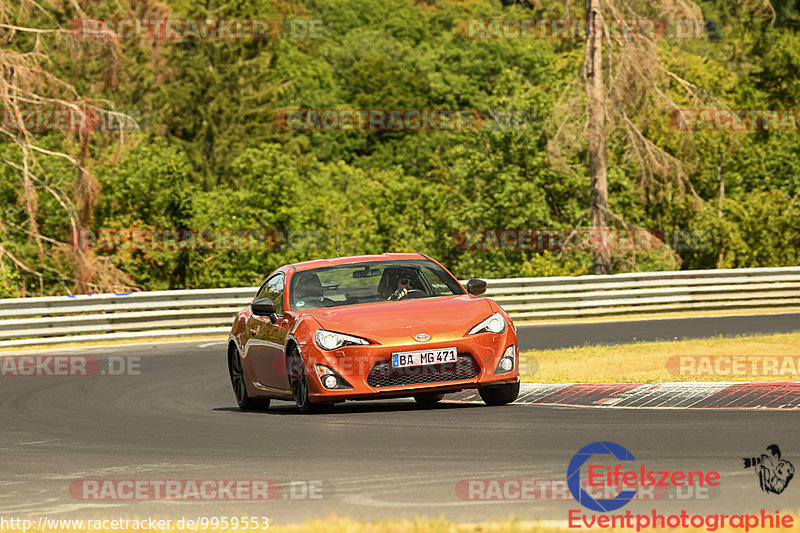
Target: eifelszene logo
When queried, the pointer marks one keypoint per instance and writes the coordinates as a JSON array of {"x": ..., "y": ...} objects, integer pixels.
[
  {"x": 574, "y": 477},
  {"x": 603, "y": 476},
  {"x": 774, "y": 473}
]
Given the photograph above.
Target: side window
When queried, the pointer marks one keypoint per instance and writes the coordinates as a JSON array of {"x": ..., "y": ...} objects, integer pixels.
[
  {"x": 273, "y": 289},
  {"x": 438, "y": 286},
  {"x": 262, "y": 292}
]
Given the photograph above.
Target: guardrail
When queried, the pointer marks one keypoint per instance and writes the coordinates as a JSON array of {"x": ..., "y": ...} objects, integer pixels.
[{"x": 210, "y": 312}]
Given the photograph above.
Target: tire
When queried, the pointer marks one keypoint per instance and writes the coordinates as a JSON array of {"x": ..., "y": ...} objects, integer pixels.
[
  {"x": 299, "y": 385},
  {"x": 428, "y": 399},
  {"x": 245, "y": 402},
  {"x": 499, "y": 394}
]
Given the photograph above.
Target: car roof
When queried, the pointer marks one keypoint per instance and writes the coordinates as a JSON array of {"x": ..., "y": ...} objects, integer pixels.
[{"x": 320, "y": 263}]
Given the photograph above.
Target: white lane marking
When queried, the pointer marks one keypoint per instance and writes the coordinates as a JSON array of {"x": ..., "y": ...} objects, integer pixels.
[
  {"x": 366, "y": 500},
  {"x": 213, "y": 343},
  {"x": 369, "y": 480},
  {"x": 154, "y": 343},
  {"x": 123, "y": 470},
  {"x": 627, "y": 395},
  {"x": 56, "y": 508},
  {"x": 369, "y": 499}
]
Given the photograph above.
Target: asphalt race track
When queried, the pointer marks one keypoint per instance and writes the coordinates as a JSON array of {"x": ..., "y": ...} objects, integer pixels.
[{"x": 175, "y": 418}]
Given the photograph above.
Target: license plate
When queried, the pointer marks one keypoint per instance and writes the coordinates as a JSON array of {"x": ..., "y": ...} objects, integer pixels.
[{"x": 424, "y": 357}]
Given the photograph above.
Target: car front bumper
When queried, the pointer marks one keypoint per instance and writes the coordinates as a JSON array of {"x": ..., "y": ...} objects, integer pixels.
[{"x": 367, "y": 369}]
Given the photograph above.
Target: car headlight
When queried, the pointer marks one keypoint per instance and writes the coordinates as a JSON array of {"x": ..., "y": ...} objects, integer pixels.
[
  {"x": 493, "y": 324},
  {"x": 330, "y": 379},
  {"x": 329, "y": 340},
  {"x": 506, "y": 363}
]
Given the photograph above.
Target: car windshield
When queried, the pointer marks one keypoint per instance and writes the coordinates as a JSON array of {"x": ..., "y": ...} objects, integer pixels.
[{"x": 380, "y": 281}]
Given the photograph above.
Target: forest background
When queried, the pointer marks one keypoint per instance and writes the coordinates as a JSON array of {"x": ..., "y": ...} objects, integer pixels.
[{"x": 202, "y": 145}]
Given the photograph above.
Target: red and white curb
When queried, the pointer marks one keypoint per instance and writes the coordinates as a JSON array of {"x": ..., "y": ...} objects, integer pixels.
[{"x": 674, "y": 395}]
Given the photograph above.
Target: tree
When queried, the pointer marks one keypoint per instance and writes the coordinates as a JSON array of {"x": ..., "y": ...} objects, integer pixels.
[
  {"x": 595, "y": 115},
  {"x": 55, "y": 164}
]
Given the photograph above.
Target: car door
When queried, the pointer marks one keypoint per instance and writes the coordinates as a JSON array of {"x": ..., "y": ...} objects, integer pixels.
[{"x": 267, "y": 339}]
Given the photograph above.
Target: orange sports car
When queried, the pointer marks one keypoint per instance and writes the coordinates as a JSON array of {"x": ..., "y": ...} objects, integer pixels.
[{"x": 370, "y": 327}]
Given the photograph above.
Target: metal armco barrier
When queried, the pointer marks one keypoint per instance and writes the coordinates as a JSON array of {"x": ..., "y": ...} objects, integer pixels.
[{"x": 210, "y": 312}]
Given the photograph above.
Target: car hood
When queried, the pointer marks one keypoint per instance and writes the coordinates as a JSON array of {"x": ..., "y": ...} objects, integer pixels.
[{"x": 397, "y": 322}]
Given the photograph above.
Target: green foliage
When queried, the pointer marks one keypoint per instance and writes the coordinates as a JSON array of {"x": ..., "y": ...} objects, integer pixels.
[
  {"x": 9, "y": 281},
  {"x": 151, "y": 189},
  {"x": 211, "y": 157}
]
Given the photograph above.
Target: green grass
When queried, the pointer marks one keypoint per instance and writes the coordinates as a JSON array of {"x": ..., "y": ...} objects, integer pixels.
[{"x": 646, "y": 362}]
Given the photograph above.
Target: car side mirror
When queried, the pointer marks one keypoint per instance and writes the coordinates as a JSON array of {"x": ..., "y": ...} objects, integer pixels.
[
  {"x": 264, "y": 307},
  {"x": 476, "y": 286}
]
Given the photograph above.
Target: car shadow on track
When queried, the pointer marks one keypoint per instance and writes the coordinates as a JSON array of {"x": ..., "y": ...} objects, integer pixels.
[{"x": 375, "y": 406}]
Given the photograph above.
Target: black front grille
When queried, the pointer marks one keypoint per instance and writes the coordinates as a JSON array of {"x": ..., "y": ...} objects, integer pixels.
[{"x": 383, "y": 375}]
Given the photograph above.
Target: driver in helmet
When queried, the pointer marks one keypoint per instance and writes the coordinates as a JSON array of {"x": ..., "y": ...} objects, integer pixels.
[
  {"x": 400, "y": 283},
  {"x": 404, "y": 284}
]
